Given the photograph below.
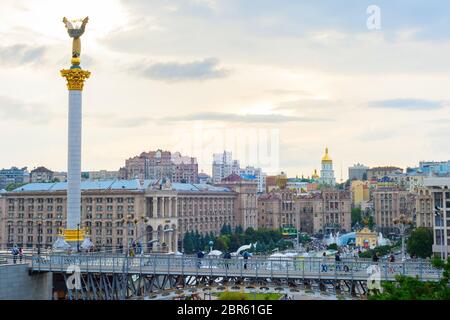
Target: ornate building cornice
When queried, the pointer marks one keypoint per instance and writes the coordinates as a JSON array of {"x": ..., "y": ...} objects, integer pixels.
[{"x": 75, "y": 78}]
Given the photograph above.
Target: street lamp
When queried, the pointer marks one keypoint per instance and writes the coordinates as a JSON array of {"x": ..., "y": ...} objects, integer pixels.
[
  {"x": 438, "y": 212},
  {"x": 78, "y": 237},
  {"x": 39, "y": 236},
  {"x": 403, "y": 221},
  {"x": 210, "y": 245}
]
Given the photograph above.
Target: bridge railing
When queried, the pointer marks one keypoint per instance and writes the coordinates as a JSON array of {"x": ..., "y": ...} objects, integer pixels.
[{"x": 255, "y": 266}]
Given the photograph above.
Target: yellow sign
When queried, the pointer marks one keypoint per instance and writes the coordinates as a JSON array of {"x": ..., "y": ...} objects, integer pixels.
[{"x": 74, "y": 235}]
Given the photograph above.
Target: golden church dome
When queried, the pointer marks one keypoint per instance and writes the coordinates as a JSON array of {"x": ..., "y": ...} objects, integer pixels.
[
  {"x": 326, "y": 157},
  {"x": 315, "y": 176}
]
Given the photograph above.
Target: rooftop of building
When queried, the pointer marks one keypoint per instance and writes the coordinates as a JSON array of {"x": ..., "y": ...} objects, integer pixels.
[
  {"x": 239, "y": 178},
  {"x": 437, "y": 182},
  {"x": 41, "y": 169},
  {"x": 359, "y": 166},
  {"x": 117, "y": 184},
  {"x": 383, "y": 168}
]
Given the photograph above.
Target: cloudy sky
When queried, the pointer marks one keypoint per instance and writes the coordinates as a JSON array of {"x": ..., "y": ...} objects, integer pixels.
[{"x": 273, "y": 81}]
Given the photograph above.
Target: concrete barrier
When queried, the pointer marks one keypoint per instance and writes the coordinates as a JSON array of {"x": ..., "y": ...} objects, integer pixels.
[{"x": 16, "y": 283}]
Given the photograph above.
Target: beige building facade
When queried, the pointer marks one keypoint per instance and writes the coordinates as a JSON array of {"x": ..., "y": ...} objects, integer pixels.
[
  {"x": 116, "y": 213},
  {"x": 246, "y": 205},
  {"x": 389, "y": 204}
]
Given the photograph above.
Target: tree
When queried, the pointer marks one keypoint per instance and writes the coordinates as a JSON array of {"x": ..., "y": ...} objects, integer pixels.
[
  {"x": 420, "y": 242},
  {"x": 226, "y": 229},
  {"x": 238, "y": 230},
  {"x": 411, "y": 288},
  {"x": 370, "y": 222},
  {"x": 332, "y": 246},
  {"x": 12, "y": 186},
  {"x": 188, "y": 243},
  {"x": 221, "y": 243},
  {"x": 356, "y": 216}
]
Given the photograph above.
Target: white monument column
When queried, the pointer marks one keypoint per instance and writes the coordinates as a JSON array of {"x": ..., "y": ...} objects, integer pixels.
[
  {"x": 74, "y": 160},
  {"x": 75, "y": 76}
]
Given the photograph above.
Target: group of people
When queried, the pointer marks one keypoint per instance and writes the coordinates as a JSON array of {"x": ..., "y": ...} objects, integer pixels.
[{"x": 17, "y": 252}]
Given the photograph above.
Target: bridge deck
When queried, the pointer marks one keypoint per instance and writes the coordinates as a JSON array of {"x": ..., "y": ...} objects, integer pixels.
[{"x": 256, "y": 267}]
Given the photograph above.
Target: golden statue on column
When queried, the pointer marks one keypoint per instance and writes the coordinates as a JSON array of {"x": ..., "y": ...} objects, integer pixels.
[{"x": 76, "y": 28}]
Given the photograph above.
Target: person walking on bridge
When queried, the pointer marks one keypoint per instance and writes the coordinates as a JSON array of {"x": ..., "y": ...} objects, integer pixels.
[
  {"x": 200, "y": 255},
  {"x": 227, "y": 256},
  {"x": 15, "y": 252},
  {"x": 337, "y": 259},
  {"x": 324, "y": 262},
  {"x": 20, "y": 254}
]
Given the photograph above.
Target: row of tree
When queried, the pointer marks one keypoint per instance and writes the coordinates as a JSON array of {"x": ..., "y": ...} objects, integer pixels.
[{"x": 230, "y": 240}]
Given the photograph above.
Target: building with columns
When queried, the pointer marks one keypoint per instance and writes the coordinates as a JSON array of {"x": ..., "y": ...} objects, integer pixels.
[{"x": 117, "y": 212}]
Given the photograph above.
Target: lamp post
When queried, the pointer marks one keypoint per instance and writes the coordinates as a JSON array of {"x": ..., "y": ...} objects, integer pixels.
[
  {"x": 9, "y": 234},
  {"x": 210, "y": 245},
  {"x": 438, "y": 212},
  {"x": 403, "y": 221},
  {"x": 39, "y": 236},
  {"x": 78, "y": 237}
]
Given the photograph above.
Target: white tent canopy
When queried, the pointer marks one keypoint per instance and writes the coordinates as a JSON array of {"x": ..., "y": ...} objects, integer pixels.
[
  {"x": 61, "y": 244},
  {"x": 215, "y": 253}
]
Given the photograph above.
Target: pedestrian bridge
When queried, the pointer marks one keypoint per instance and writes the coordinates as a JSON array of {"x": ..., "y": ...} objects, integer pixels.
[{"x": 255, "y": 267}]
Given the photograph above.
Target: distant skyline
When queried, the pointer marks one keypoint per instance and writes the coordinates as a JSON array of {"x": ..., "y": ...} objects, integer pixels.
[{"x": 310, "y": 71}]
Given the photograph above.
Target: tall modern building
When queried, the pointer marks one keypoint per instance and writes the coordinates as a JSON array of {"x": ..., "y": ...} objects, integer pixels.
[
  {"x": 327, "y": 173},
  {"x": 357, "y": 172},
  {"x": 259, "y": 175},
  {"x": 223, "y": 165},
  {"x": 440, "y": 191}
]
